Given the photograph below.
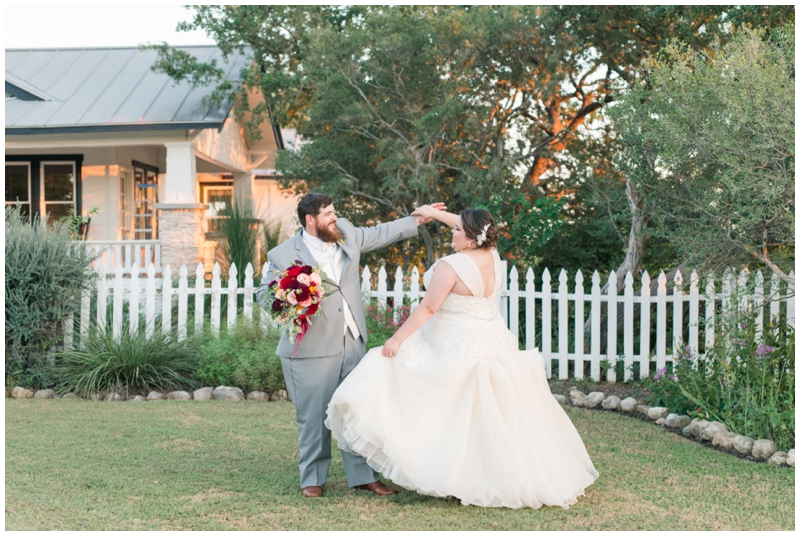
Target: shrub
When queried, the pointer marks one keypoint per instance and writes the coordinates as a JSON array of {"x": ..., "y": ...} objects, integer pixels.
[
  {"x": 381, "y": 324},
  {"x": 239, "y": 228},
  {"x": 45, "y": 274},
  {"x": 745, "y": 383},
  {"x": 243, "y": 357},
  {"x": 133, "y": 363}
]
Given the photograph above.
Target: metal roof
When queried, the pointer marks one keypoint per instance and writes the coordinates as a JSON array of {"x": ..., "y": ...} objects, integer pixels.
[{"x": 106, "y": 89}]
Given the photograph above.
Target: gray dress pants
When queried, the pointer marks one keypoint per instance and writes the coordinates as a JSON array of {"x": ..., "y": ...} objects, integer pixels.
[{"x": 311, "y": 382}]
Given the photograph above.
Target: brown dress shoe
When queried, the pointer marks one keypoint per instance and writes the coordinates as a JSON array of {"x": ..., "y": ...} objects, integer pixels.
[
  {"x": 312, "y": 491},
  {"x": 378, "y": 488}
]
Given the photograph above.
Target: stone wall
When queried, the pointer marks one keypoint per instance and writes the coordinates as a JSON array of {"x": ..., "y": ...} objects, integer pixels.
[{"x": 182, "y": 238}]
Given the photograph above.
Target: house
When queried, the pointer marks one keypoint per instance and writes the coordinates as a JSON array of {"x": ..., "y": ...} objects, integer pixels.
[{"x": 96, "y": 128}]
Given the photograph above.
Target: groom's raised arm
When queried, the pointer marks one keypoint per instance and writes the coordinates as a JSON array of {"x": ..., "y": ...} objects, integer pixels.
[{"x": 383, "y": 234}]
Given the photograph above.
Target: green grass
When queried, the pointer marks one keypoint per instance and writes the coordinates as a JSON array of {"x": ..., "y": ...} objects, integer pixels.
[{"x": 80, "y": 465}]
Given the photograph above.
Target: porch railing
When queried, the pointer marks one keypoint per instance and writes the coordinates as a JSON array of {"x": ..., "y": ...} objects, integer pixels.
[{"x": 127, "y": 253}]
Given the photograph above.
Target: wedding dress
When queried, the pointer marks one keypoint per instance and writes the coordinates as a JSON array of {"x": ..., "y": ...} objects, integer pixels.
[{"x": 460, "y": 411}]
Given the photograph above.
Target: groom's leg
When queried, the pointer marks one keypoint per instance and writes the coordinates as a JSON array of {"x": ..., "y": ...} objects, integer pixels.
[
  {"x": 311, "y": 383},
  {"x": 355, "y": 467}
]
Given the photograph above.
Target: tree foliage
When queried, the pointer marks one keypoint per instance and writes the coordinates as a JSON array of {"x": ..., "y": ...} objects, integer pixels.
[{"x": 710, "y": 144}]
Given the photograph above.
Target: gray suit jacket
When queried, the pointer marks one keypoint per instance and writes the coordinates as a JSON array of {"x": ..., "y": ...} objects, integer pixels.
[{"x": 325, "y": 336}]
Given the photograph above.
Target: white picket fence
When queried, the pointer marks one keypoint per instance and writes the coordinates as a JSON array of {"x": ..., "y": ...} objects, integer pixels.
[{"x": 546, "y": 317}]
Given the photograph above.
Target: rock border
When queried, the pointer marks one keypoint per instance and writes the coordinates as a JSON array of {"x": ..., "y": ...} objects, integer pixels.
[
  {"x": 711, "y": 434},
  {"x": 222, "y": 393}
]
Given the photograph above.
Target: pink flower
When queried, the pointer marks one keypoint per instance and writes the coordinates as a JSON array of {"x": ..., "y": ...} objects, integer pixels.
[
  {"x": 315, "y": 278},
  {"x": 304, "y": 279},
  {"x": 291, "y": 298},
  {"x": 306, "y": 303}
]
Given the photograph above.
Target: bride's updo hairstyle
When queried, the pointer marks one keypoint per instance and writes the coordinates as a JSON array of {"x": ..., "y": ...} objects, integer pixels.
[{"x": 474, "y": 221}]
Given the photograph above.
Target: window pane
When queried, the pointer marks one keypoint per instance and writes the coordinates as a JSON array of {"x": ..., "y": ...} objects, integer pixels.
[
  {"x": 59, "y": 181},
  {"x": 57, "y": 211},
  {"x": 16, "y": 183}
]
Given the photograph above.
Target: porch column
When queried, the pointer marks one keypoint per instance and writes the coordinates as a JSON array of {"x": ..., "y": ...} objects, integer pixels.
[{"x": 181, "y": 219}]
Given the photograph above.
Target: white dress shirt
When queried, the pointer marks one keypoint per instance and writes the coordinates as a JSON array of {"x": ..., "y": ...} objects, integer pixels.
[{"x": 331, "y": 259}]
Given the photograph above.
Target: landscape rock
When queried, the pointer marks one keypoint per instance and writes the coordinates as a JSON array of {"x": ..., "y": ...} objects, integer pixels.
[
  {"x": 114, "y": 397},
  {"x": 611, "y": 402},
  {"x": 155, "y": 395},
  {"x": 661, "y": 421},
  {"x": 228, "y": 394},
  {"x": 763, "y": 449},
  {"x": 179, "y": 395},
  {"x": 44, "y": 393},
  {"x": 657, "y": 413},
  {"x": 723, "y": 440},
  {"x": 137, "y": 398},
  {"x": 561, "y": 399},
  {"x": 643, "y": 409},
  {"x": 628, "y": 405},
  {"x": 21, "y": 392},
  {"x": 674, "y": 420},
  {"x": 70, "y": 395},
  {"x": 790, "y": 458},
  {"x": 257, "y": 396},
  {"x": 743, "y": 444},
  {"x": 594, "y": 399},
  {"x": 713, "y": 428},
  {"x": 206, "y": 393},
  {"x": 779, "y": 458},
  {"x": 94, "y": 397},
  {"x": 578, "y": 398},
  {"x": 695, "y": 427},
  {"x": 280, "y": 394}
]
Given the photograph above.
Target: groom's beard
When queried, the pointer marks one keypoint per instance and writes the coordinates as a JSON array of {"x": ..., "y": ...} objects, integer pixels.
[{"x": 329, "y": 234}]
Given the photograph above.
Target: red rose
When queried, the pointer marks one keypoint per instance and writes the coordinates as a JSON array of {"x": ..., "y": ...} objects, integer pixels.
[
  {"x": 295, "y": 284},
  {"x": 312, "y": 309},
  {"x": 302, "y": 294},
  {"x": 285, "y": 283},
  {"x": 307, "y": 270},
  {"x": 294, "y": 271},
  {"x": 277, "y": 305}
]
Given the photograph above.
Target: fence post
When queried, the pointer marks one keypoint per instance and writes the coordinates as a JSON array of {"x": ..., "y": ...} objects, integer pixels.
[
  {"x": 216, "y": 296},
  {"x": 563, "y": 326},
  {"x": 183, "y": 301},
  {"x": 628, "y": 326},
  {"x": 513, "y": 302},
  {"x": 248, "y": 292},
  {"x": 166, "y": 300},
  {"x": 530, "y": 311},
  {"x": 677, "y": 313},
  {"x": 233, "y": 285},
  {"x": 579, "y": 322},
  {"x": 133, "y": 309},
  {"x": 644, "y": 327},
  {"x": 547, "y": 323},
  {"x": 199, "y": 297},
  {"x": 661, "y": 322}
]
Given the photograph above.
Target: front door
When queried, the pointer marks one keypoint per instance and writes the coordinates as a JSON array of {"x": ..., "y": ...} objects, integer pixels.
[{"x": 145, "y": 192}]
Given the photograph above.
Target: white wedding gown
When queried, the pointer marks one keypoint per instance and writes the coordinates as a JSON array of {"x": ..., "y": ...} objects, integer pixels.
[{"x": 460, "y": 411}]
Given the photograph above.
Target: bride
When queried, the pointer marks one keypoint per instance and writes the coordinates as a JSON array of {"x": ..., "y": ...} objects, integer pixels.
[{"x": 450, "y": 406}]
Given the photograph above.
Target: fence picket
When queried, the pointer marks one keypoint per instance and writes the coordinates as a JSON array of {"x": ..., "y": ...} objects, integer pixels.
[
  {"x": 741, "y": 294},
  {"x": 758, "y": 303},
  {"x": 69, "y": 330},
  {"x": 119, "y": 290},
  {"x": 166, "y": 300},
  {"x": 628, "y": 330},
  {"x": 247, "y": 308},
  {"x": 502, "y": 300},
  {"x": 86, "y": 304},
  {"x": 233, "y": 283},
  {"x": 579, "y": 322},
  {"x": 414, "y": 295},
  {"x": 710, "y": 313},
  {"x": 790, "y": 302},
  {"x": 530, "y": 311},
  {"x": 216, "y": 297},
  {"x": 661, "y": 322},
  {"x": 183, "y": 301},
  {"x": 382, "y": 293},
  {"x": 595, "y": 336},
  {"x": 677, "y": 313},
  {"x": 547, "y": 336},
  {"x": 150, "y": 300},
  {"x": 133, "y": 302},
  {"x": 199, "y": 296},
  {"x": 397, "y": 294},
  {"x": 774, "y": 302},
  {"x": 644, "y": 327},
  {"x": 694, "y": 311},
  {"x": 563, "y": 327},
  {"x": 611, "y": 345},
  {"x": 513, "y": 300}
]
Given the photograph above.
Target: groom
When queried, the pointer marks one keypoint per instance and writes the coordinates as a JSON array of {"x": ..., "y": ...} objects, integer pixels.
[{"x": 336, "y": 340}]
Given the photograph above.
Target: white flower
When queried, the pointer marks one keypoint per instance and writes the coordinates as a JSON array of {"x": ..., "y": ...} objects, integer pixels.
[{"x": 482, "y": 236}]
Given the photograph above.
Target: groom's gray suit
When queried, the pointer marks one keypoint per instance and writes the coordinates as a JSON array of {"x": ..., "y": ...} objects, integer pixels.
[{"x": 328, "y": 353}]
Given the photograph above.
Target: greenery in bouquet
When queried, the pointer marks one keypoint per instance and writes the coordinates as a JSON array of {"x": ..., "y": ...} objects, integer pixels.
[{"x": 745, "y": 381}]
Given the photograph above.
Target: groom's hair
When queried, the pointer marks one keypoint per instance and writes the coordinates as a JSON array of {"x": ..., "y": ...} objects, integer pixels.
[
  {"x": 473, "y": 220},
  {"x": 311, "y": 204}
]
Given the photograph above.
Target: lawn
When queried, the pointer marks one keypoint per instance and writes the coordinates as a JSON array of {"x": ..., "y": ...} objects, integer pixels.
[{"x": 80, "y": 465}]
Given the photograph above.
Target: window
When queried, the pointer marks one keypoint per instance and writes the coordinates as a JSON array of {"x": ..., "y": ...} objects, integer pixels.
[
  {"x": 218, "y": 199},
  {"x": 58, "y": 189},
  {"x": 125, "y": 205},
  {"x": 18, "y": 185},
  {"x": 145, "y": 192}
]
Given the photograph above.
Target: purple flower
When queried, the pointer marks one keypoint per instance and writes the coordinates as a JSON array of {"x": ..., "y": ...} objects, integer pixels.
[
  {"x": 660, "y": 373},
  {"x": 673, "y": 378},
  {"x": 742, "y": 325},
  {"x": 741, "y": 343},
  {"x": 763, "y": 351}
]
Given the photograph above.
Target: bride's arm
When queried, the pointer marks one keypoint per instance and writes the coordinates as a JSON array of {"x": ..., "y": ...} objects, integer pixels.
[
  {"x": 436, "y": 212},
  {"x": 442, "y": 282}
]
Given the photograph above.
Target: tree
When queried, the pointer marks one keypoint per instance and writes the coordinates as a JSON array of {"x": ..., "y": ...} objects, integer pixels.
[{"x": 709, "y": 139}]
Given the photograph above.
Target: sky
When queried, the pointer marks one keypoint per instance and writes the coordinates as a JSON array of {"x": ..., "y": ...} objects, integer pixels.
[{"x": 35, "y": 26}]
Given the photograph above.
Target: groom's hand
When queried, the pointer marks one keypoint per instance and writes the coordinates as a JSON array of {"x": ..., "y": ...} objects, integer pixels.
[{"x": 427, "y": 213}]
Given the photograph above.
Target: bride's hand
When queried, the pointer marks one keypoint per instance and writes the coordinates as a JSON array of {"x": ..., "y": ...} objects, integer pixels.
[
  {"x": 390, "y": 348},
  {"x": 427, "y": 213}
]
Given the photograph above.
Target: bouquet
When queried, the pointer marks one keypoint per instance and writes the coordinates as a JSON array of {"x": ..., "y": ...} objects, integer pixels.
[{"x": 296, "y": 294}]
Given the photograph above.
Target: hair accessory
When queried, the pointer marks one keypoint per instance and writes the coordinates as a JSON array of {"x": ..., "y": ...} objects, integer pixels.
[{"x": 482, "y": 236}]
